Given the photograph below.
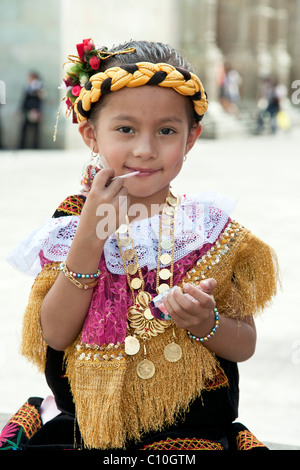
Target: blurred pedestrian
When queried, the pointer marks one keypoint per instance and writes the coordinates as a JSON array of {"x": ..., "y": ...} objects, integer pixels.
[
  {"x": 268, "y": 105},
  {"x": 230, "y": 90},
  {"x": 31, "y": 109}
]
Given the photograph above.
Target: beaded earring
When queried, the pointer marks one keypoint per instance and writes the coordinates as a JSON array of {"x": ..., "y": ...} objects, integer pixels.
[{"x": 89, "y": 172}]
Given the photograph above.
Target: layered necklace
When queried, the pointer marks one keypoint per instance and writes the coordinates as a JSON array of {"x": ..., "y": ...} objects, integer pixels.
[{"x": 142, "y": 324}]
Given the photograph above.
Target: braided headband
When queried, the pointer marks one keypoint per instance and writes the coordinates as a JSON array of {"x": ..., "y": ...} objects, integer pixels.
[
  {"x": 134, "y": 75},
  {"x": 84, "y": 85}
]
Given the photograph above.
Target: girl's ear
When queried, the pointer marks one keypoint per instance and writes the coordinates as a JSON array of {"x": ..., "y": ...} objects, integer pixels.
[
  {"x": 193, "y": 136},
  {"x": 86, "y": 129}
]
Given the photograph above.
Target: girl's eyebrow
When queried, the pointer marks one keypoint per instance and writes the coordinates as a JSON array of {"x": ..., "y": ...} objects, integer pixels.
[
  {"x": 123, "y": 117},
  {"x": 127, "y": 117}
]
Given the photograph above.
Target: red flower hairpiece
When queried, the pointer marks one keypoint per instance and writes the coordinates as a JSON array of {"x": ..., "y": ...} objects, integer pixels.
[
  {"x": 87, "y": 45},
  {"x": 80, "y": 68}
]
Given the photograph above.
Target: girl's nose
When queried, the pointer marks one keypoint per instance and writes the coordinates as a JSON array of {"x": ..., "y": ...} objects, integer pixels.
[{"x": 144, "y": 147}]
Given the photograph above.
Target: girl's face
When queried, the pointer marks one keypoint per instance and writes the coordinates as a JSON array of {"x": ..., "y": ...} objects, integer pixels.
[{"x": 146, "y": 129}]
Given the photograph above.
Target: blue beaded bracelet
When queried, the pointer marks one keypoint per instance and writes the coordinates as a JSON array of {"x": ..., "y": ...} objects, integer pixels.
[{"x": 211, "y": 333}]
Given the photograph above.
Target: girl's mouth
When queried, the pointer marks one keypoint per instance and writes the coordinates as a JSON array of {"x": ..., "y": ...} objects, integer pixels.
[{"x": 143, "y": 171}]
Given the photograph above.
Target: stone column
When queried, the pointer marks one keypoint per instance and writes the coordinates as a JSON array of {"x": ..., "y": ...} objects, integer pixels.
[
  {"x": 198, "y": 40},
  {"x": 241, "y": 55},
  {"x": 281, "y": 57},
  {"x": 294, "y": 39},
  {"x": 264, "y": 14}
]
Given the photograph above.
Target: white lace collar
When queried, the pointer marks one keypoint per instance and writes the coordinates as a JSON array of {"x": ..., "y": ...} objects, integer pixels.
[{"x": 200, "y": 219}]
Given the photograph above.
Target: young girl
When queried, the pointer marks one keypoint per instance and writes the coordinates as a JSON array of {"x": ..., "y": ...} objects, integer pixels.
[{"x": 144, "y": 299}]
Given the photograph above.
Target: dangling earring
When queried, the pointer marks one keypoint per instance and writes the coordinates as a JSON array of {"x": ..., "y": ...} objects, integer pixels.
[
  {"x": 185, "y": 158},
  {"x": 89, "y": 172}
]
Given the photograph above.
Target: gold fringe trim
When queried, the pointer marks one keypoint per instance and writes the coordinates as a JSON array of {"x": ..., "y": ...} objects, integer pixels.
[
  {"x": 33, "y": 346},
  {"x": 114, "y": 405},
  {"x": 97, "y": 388}
]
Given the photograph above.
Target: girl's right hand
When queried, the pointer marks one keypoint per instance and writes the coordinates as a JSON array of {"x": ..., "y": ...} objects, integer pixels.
[{"x": 105, "y": 207}]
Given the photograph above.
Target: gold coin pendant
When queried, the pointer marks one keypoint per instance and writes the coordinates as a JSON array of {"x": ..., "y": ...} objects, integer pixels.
[
  {"x": 136, "y": 283},
  {"x": 125, "y": 241},
  {"x": 166, "y": 244},
  {"x": 165, "y": 274},
  {"x": 171, "y": 200},
  {"x": 173, "y": 352},
  {"x": 165, "y": 258},
  {"x": 132, "y": 345},
  {"x": 128, "y": 254},
  {"x": 166, "y": 232},
  {"x": 173, "y": 193},
  {"x": 163, "y": 288},
  {"x": 170, "y": 210},
  {"x": 122, "y": 229},
  {"x": 145, "y": 369},
  {"x": 132, "y": 268},
  {"x": 167, "y": 220}
]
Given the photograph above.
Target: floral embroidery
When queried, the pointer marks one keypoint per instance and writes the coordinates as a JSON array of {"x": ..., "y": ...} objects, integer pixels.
[
  {"x": 8, "y": 432},
  {"x": 10, "y": 444}
]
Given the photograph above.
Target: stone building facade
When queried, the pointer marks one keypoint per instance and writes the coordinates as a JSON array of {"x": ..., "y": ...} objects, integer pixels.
[{"x": 257, "y": 37}]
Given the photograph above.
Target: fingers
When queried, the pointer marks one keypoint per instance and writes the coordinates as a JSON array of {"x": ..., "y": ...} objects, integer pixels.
[
  {"x": 179, "y": 302},
  {"x": 103, "y": 178},
  {"x": 192, "y": 305},
  {"x": 105, "y": 207},
  {"x": 104, "y": 189},
  {"x": 208, "y": 285},
  {"x": 203, "y": 293}
]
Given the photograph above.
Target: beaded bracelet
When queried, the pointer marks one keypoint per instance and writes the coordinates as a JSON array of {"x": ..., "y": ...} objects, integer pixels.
[
  {"x": 63, "y": 267},
  {"x": 72, "y": 276},
  {"x": 211, "y": 333}
]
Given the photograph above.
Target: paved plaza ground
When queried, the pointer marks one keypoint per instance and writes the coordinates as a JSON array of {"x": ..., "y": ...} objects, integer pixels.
[{"x": 262, "y": 173}]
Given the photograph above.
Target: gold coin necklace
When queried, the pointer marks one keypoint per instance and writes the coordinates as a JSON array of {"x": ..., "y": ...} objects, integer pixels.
[
  {"x": 140, "y": 317},
  {"x": 172, "y": 352}
]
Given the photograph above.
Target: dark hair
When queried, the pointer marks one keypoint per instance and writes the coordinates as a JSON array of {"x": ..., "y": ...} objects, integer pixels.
[{"x": 145, "y": 51}]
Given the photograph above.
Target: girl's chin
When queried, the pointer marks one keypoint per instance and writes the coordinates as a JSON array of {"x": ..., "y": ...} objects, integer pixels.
[{"x": 143, "y": 192}]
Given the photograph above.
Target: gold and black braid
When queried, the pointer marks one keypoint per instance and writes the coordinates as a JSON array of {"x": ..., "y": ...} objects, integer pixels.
[{"x": 142, "y": 73}]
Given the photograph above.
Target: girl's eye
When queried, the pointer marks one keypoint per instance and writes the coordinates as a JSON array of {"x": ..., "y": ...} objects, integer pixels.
[
  {"x": 125, "y": 130},
  {"x": 167, "y": 131}
]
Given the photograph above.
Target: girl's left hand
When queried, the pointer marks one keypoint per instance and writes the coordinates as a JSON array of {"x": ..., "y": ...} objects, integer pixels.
[{"x": 193, "y": 312}]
